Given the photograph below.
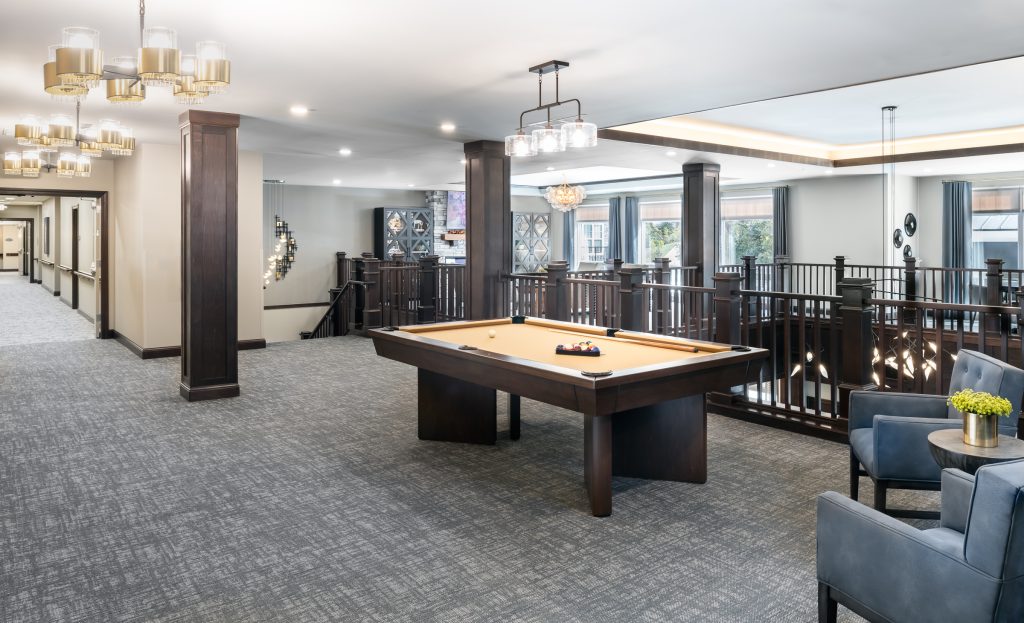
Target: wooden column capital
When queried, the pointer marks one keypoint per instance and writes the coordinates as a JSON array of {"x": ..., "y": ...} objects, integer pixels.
[{"x": 207, "y": 117}]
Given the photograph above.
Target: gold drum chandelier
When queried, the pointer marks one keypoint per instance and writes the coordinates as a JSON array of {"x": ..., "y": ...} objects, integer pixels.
[
  {"x": 76, "y": 66},
  {"x": 61, "y": 136},
  {"x": 564, "y": 197}
]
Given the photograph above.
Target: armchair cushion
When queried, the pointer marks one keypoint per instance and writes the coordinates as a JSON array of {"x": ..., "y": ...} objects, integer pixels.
[
  {"x": 995, "y": 531},
  {"x": 957, "y": 489},
  {"x": 862, "y": 444},
  {"x": 901, "y": 447},
  {"x": 865, "y": 405}
]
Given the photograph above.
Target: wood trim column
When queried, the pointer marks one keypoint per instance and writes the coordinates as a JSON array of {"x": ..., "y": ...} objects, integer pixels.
[
  {"x": 701, "y": 219},
  {"x": 488, "y": 228},
  {"x": 209, "y": 255}
]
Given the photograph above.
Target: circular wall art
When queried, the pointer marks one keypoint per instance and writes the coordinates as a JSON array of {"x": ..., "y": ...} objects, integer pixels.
[
  {"x": 908, "y": 252},
  {"x": 897, "y": 238},
  {"x": 910, "y": 225}
]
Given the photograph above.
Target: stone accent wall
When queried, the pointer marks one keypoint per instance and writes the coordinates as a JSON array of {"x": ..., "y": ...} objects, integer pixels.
[{"x": 437, "y": 200}]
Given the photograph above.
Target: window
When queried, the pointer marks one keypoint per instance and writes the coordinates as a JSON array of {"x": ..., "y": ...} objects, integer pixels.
[
  {"x": 996, "y": 226},
  {"x": 660, "y": 228},
  {"x": 591, "y": 237},
  {"x": 746, "y": 229}
]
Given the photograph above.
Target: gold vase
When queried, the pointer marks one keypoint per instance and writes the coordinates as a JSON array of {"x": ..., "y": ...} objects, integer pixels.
[{"x": 981, "y": 430}]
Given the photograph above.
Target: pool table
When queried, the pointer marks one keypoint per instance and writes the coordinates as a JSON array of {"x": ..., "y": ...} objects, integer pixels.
[{"x": 642, "y": 398}]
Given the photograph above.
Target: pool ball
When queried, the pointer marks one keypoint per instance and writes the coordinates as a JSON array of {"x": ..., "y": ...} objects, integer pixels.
[{"x": 491, "y": 333}]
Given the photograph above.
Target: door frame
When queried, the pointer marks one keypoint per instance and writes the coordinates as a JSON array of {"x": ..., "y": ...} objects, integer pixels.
[
  {"x": 30, "y": 249},
  {"x": 102, "y": 198}
]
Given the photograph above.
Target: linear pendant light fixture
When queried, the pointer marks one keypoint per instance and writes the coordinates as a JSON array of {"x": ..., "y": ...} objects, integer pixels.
[
  {"x": 576, "y": 134},
  {"x": 76, "y": 66}
]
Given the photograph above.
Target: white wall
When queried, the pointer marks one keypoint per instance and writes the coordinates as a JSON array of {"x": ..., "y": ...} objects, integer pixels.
[
  {"x": 325, "y": 220},
  {"x": 49, "y": 274},
  {"x": 284, "y": 325},
  {"x": 32, "y": 212}
]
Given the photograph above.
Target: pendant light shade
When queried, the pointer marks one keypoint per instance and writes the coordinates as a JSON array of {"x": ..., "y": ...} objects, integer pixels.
[
  {"x": 159, "y": 57},
  {"x": 67, "y": 164},
  {"x": 520, "y": 145},
  {"x": 90, "y": 143},
  {"x": 109, "y": 136},
  {"x": 61, "y": 131},
  {"x": 549, "y": 140},
  {"x": 52, "y": 83},
  {"x": 79, "y": 60},
  {"x": 213, "y": 69},
  {"x": 12, "y": 163},
  {"x": 28, "y": 130},
  {"x": 30, "y": 164},
  {"x": 83, "y": 166},
  {"x": 129, "y": 90},
  {"x": 579, "y": 134},
  {"x": 185, "y": 90},
  {"x": 127, "y": 145}
]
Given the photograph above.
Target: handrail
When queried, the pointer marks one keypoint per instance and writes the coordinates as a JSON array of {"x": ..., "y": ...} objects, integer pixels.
[
  {"x": 44, "y": 262},
  {"x": 792, "y": 295},
  {"x": 985, "y": 309},
  {"x": 602, "y": 282},
  {"x": 322, "y": 327},
  {"x": 66, "y": 269},
  {"x": 669, "y": 286},
  {"x": 85, "y": 275}
]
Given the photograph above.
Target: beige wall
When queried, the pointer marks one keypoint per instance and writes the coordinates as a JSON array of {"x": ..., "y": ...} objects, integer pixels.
[
  {"x": 147, "y": 251},
  {"x": 49, "y": 274},
  {"x": 65, "y": 241},
  {"x": 31, "y": 212},
  {"x": 10, "y": 242},
  {"x": 284, "y": 325}
]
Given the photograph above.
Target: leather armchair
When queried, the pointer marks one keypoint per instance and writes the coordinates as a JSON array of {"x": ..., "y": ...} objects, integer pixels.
[
  {"x": 889, "y": 431},
  {"x": 970, "y": 568}
]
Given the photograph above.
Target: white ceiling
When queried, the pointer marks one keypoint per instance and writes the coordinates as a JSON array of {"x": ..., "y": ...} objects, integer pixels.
[{"x": 382, "y": 76}]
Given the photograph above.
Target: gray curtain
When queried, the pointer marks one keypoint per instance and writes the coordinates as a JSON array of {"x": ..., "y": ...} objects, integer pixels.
[
  {"x": 631, "y": 238},
  {"x": 614, "y": 250},
  {"x": 780, "y": 220},
  {"x": 957, "y": 246},
  {"x": 568, "y": 237}
]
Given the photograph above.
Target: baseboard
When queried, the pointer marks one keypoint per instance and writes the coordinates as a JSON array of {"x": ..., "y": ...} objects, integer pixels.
[
  {"x": 127, "y": 343},
  {"x": 10, "y": 270},
  {"x": 49, "y": 289},
  {"x": 210, "y": 392},
  {"x": 85, "y": 315},
  {"x": 159, "y": 352}
]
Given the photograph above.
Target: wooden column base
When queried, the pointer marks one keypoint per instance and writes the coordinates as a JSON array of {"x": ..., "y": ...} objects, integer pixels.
[{"x": 208, "y": 392}]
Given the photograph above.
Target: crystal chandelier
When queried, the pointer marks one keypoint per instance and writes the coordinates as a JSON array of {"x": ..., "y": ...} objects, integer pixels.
[
  {"x": 60, "y": 132},
  {"x": 575, "y": 134},
  {"x": 76, "y": 66},
  {"x": 564, "y": 197}
]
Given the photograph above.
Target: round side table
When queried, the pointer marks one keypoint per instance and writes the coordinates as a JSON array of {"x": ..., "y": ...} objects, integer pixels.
[{"x": 949, "y": 450}]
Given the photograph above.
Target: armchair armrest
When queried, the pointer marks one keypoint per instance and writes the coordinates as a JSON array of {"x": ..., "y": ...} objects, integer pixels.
[
  {"x": 901, "y": 447},
  {"x": 894, "y": 569},
  {"x": 957, "y": 490},
  {"x": 865, "y": 405}
]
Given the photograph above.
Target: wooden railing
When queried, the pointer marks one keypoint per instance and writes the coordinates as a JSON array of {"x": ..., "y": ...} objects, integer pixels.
[
  {"x": 681, "y": 311},
  {"x": 526, "y": 294},
  {"x": 337, "y": 320},
  {"x": 451, "y": 284}
]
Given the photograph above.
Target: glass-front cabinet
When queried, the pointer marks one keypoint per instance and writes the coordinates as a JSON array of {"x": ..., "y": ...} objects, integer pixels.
[
  {"x": 403, "y": 230},
  {"x": 531, "y": 245}
]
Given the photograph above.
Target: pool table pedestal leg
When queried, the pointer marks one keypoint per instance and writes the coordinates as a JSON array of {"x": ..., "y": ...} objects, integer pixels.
[
  {"x": 513, "y": 416},
  {"x": 666, "y": 441},
  {"x": 454, "y": 410}
]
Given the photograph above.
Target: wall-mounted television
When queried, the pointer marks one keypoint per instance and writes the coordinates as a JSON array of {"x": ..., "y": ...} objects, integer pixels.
[{"x": 456, "y": 218}]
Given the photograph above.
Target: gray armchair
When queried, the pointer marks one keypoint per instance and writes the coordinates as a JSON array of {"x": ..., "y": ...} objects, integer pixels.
[
  {"x": 889, "y": 431},
  {"x": 971, "y": 568}
]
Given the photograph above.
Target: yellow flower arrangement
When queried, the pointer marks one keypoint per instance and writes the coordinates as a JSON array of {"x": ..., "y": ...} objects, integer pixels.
[{"x": 982, "y": 403}]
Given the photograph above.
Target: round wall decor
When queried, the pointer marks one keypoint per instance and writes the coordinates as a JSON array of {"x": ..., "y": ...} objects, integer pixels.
[
  {"x": 897, "y": 238},
  {"x": 908, "y": 252},
  {"x": 910, "y": 224}
]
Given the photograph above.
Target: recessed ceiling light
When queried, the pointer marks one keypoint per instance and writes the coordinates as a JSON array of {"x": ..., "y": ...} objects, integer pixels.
[
  {"x": 447, "y": 126},
  {"x": 336, "y": 182},
  {"x": 670, "y": 153},
  {"x": 463, "y": 161},
  {"x": 551, "y": 168},
  {"x": 345, "y": 151},
  {"x": 771, "y": 165},
  {"x": 411, "y": 185},
  {"x": 299, "y": 110}
]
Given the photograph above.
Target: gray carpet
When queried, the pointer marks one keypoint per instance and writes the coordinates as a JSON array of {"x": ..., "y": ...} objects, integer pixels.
[
  {"x": 309, "y": 498},
  {"x": 30, "y": 315}
]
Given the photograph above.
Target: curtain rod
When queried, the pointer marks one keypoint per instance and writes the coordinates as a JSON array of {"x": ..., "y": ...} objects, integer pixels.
[{"x": 1018, "y": 178}]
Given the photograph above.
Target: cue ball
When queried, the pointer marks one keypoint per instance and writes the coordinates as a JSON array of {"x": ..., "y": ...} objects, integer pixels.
[{"x": 491, "y": 333}]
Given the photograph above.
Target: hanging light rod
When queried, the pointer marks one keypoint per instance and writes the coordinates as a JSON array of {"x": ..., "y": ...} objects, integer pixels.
[{"x": 574, "y": 134}]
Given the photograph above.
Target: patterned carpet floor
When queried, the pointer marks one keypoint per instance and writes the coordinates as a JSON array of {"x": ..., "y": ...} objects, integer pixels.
[
  {"x": 309, "y": 498},
  {"x": 30, "y": 315}
]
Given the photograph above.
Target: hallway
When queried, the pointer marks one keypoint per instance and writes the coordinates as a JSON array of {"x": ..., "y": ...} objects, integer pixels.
[{"x": 31, "y": 315}]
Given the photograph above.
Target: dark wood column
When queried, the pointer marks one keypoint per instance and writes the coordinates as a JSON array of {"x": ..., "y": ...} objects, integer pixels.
[
  {"x": 701, "y": 219},
  {"x": 209, "y": 255},
  {"x": 488, "y": 228}
]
